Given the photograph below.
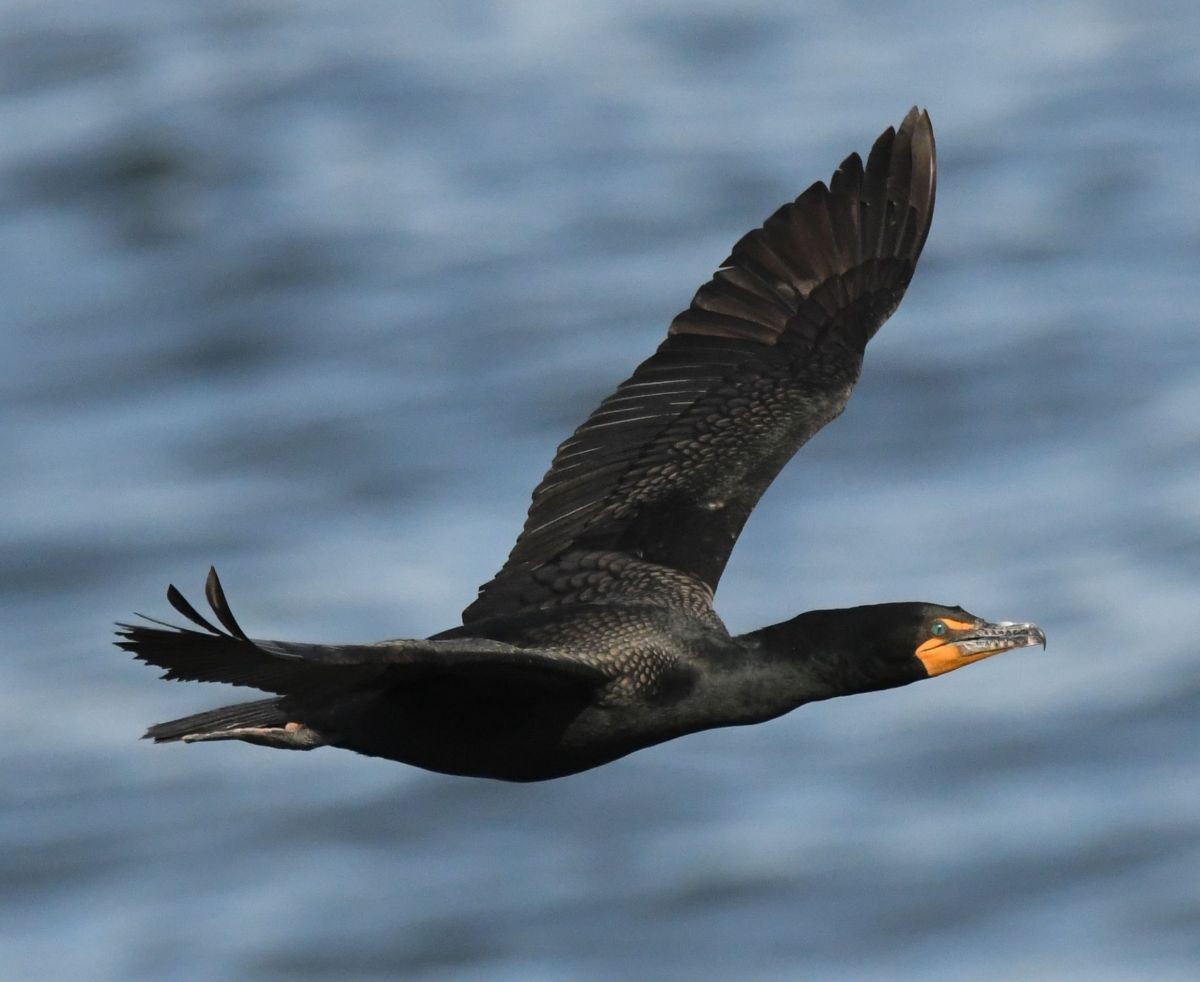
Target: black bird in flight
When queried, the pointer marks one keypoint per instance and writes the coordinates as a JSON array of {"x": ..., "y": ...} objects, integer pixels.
[{"x": 598, "y": 636}]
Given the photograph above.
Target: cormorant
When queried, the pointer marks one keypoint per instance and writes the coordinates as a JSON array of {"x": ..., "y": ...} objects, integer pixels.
[{"x": 598, "y": 636}]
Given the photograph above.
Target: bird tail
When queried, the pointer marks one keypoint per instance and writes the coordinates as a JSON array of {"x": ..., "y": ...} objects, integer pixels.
[
  {"x": 263, "y": 712},
  {"x": 264, "y": 722}
]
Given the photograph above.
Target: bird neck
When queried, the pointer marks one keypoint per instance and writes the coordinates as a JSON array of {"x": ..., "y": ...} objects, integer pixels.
[{"x": 805, "y": 659}]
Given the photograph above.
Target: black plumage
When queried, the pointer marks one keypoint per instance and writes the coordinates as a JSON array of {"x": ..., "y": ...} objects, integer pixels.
[{"x": 598, "y": 636}]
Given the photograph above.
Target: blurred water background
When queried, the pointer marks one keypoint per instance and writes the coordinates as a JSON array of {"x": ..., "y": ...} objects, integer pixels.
[{"x": 311, "y": 291}]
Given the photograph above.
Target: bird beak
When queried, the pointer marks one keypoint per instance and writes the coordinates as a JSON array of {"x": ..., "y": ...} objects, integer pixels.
[{"x": 974, "y": 643}]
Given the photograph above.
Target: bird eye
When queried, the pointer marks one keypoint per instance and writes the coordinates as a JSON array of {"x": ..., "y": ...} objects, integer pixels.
[{"x": 938, "y": 629}]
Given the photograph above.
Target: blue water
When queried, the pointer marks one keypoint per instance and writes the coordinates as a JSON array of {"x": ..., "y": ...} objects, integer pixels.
[{"x": 311, "y": 292}]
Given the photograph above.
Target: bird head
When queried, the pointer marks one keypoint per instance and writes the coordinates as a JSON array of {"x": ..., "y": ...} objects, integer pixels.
[{"x": 905, "y": 642}]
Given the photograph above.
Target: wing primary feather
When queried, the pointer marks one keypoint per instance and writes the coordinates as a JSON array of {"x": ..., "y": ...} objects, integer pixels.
[
  {"x": 812, "y": 232},
  {"x": 925, "y": 178},
  {"x": 874, "y": 193},
  {"x": 220, "y": 606},
  {"x": 846, "y": 185},
  {"x": 180, "y": 603},
  {"x": 154, "y": 620}
]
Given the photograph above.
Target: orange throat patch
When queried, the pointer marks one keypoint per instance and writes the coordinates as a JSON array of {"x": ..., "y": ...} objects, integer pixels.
[{"x": 940, "y": 655}]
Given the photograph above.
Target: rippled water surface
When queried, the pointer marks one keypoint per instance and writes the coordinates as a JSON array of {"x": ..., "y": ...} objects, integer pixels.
[{"x": 312, "y": 291}]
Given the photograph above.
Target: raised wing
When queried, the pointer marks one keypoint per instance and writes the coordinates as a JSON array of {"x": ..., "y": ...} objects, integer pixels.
[
  {"x": 669, "y": 467},
  {"x": 291, "y": 668}
]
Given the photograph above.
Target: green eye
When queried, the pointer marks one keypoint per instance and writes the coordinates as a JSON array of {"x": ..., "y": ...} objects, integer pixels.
[{"x": 938, "y": 629}]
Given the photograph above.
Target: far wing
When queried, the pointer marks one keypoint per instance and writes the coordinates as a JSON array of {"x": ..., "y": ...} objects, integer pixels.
[
  {"x": 293, "y": 668},
  {"x": 668, "y": 468}
]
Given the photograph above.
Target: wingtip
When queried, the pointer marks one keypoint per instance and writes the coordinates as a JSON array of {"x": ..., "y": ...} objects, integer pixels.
[
  {"x": 917, "y": 124},
  {"x": 921, "y": 127}
]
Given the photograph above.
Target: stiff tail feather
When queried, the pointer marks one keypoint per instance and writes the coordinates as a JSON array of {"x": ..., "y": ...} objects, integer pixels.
[
  {"x": 263, "y": 712},
  {"x": 263, "y": 722}
]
